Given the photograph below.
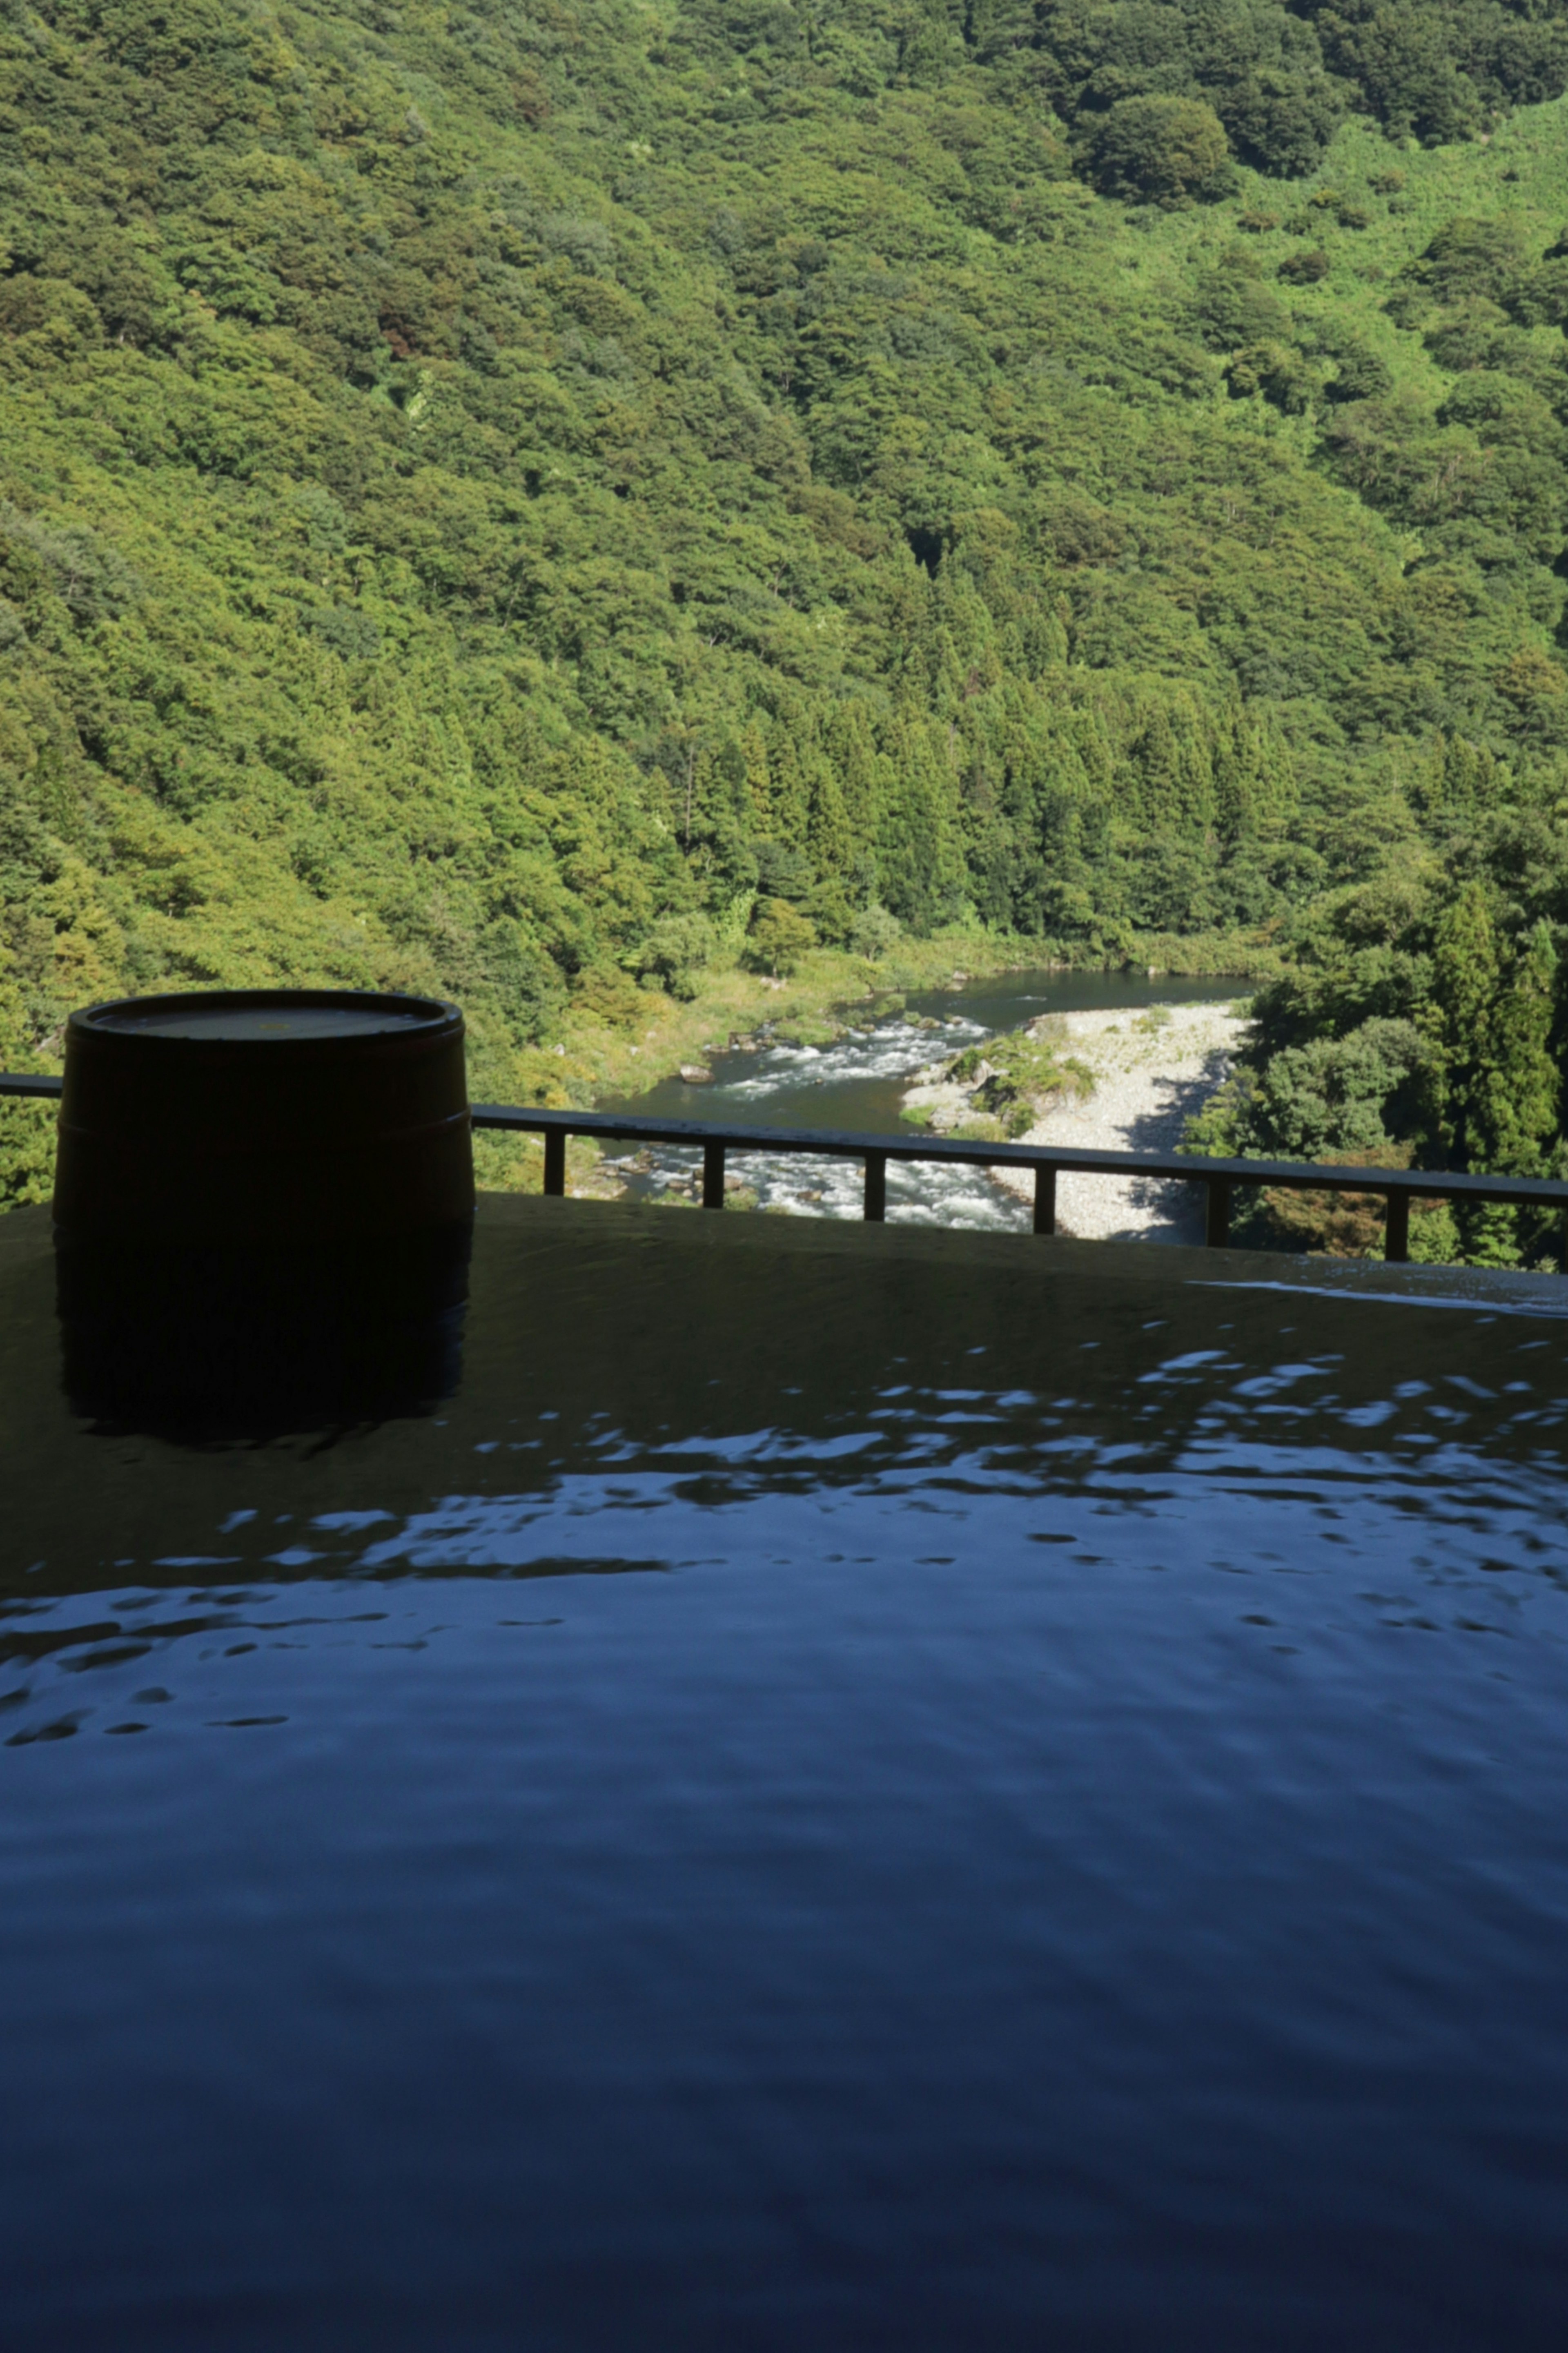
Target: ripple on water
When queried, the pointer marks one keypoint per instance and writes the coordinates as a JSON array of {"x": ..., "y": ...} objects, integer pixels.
[{"x": 843, "y": 1787}]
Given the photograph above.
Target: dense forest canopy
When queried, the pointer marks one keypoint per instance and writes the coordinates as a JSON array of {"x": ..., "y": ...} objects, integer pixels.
[{"x": 508, "y": 498}]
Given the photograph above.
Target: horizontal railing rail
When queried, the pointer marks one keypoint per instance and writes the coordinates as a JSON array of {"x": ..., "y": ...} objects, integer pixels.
[{"x": 717, "y": 1140}]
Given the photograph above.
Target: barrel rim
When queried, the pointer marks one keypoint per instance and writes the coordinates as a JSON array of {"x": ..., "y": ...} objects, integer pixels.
[{"x": 425, "y": 1020}]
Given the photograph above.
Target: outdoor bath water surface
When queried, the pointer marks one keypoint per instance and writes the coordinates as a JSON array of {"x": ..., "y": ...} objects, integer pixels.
[{"x": 849, "y": 1788}]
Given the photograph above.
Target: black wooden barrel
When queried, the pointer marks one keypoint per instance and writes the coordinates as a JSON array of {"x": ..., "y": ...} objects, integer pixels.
[{"x": 247, "y": 1118}]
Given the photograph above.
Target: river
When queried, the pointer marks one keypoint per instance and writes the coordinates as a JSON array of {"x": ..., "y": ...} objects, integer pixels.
[{"x": 858, "y": 1083}]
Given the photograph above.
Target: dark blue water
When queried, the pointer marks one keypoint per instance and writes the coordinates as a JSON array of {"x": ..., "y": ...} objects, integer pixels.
[{"x": 848, "y": 1788}]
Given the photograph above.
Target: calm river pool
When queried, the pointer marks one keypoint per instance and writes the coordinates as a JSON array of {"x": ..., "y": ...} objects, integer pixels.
[
  {"x": 858, "y": 1084},
  {"x": 849, "y": 1788}
]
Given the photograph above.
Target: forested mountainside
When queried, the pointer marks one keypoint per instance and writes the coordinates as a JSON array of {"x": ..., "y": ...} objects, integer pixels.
[{"x": 507, "y": 499}]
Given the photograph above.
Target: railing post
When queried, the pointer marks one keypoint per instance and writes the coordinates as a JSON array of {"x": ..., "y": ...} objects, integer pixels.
[
  {"x": 555, "y": 1160},
  {"x": 712, "y": 1175},
  {"x": 1216, "y": 1224},
  {"x": 1044, "y": 1198},
  {"x": 876, "y": 1187},
  {"x": 1396, "y": 1229}
]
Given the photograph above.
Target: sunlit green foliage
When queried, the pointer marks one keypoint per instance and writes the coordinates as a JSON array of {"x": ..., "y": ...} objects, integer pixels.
[
  {"x": 1016, "y": 1078},
  {"x": 1422, "y": 1022},
  {"x": 519, "y": 504},
  {"x": 781, "y": 937}
]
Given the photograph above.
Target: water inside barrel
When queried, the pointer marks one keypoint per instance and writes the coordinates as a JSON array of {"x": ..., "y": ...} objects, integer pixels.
[{"x": 236, "y": 1024}]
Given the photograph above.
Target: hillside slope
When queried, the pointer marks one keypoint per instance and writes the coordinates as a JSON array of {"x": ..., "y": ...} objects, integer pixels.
[{"x": 492, "y": 499}]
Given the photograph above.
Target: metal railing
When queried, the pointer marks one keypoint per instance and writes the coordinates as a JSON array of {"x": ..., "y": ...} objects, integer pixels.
[
  {"x": 1398, "y": 1186},
  {"x": 716, "y": 1140}
]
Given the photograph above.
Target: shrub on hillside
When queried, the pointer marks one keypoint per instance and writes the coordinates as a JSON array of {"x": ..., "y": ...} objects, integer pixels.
[
  {"x": 780, "y": 938},
  {"x": 1305, "y": 269},
  {"x": 875, "y": 931},
  {"x": 1167, "y": 149},
  {"x": 675, "y": 951}
]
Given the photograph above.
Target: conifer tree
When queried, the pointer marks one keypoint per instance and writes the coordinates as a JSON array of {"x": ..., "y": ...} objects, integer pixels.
[
  {"x": 852, "y": 747},
  {"x": 1524, "y": 1085},
  {"x": 1465, "y": 979},
  {"x": 1498, "y": 1088}
]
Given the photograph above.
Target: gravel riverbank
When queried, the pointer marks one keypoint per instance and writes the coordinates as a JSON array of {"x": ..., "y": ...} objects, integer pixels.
[{"x": 1152, "y": 1071}]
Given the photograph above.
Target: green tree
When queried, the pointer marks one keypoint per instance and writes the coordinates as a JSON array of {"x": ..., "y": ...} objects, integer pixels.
[
  {"x": 1167, "y": 149},
  {"x": 1523, "y": 1083},
  {"x": 781, "y": 938},
  {"x": 675, "y": 951},
  {"x": 1465, "y": 989},
  {"x": 1518, "y": 1114}
]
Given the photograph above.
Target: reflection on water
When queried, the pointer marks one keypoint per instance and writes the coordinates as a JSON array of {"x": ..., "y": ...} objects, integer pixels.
[
  {"x": 857, "y": 1085},
  {"x": 212, "y": 1344},
  {"x": 847, "y": 1788}
]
